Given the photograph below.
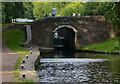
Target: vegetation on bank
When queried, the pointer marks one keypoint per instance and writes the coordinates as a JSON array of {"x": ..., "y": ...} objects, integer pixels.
[
  {"x": 111, "y": 45},
  {"x": 24, "y": 81},
  {"x": 5, "y": 25},
  {"x": 13, "y": 38}
]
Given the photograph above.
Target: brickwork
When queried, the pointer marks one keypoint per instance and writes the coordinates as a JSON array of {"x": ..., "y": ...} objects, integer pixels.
[{"x": 90, "y": 29}]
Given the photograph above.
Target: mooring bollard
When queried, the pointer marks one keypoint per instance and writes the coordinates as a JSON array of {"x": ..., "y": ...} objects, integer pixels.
[
  {"x": 23, "y": 75},
  {"x": 31, "y": 52},
  {"x": 26, "y": 56},
  {"x": 23, "y": 61},
  {"x": 22, "y": 66}
]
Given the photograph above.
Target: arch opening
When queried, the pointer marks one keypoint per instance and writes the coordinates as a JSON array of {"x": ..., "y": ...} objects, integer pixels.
[{"x": 66, "y": 39}]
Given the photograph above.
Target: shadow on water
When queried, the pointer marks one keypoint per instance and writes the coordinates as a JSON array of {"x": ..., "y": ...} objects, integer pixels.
[
  {"x": 59, "y": 54},
  {"x": 68, "y": 67}
]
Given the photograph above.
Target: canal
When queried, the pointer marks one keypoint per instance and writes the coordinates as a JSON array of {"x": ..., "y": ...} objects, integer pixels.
[{"x": 70, "y": 67}]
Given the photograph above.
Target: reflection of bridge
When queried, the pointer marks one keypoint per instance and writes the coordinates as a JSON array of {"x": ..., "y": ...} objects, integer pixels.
[{"x": 77, "y": 31}]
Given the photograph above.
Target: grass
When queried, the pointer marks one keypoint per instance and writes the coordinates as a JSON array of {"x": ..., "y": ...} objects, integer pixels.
[
  {"x": 24, "y": 81},
  {"x": 111, "y": 45},
  {"x": 5, "y": 25},
  {"x": 13, "y": 38},
  {"x": 16, "y": 73}
]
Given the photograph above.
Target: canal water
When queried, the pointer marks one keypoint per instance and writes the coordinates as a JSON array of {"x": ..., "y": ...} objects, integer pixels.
[{"x": 73, "y": 67}]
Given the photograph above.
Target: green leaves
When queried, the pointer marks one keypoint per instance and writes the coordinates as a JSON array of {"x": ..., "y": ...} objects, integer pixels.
[
  {"x": 76, "y": 8},
  {"x": 42, "y": 8},
  {"x": 12, "y": 10}
]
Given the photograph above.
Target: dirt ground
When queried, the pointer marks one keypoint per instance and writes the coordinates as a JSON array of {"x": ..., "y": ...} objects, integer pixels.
[{"x": 8, "y": 62}]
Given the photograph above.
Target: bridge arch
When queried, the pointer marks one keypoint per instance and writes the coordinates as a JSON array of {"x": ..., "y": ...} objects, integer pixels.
[{"x": 68, "y": 27}]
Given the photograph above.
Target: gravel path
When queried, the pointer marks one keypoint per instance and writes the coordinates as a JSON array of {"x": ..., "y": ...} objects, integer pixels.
[{"x": 8, "y": 62}]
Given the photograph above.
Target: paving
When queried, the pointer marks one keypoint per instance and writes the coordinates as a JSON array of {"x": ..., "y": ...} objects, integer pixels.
[{"x": 8, "y": 62}]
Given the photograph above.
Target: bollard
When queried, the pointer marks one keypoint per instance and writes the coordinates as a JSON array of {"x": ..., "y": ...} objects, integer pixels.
[
  {"x": 23, "y": 75},
  {"x": 26, "y": 56},
  {"x": 23, "y": 61},
  {"x": 31, "y": 52},
  {"x": 22, "y": 66}
]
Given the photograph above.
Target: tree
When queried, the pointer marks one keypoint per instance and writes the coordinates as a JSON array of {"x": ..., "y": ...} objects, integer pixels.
[
  {"x": 110, "y": 10},
  {"x": 11, "y": 10},
  {"x": 71, "y": 8},
  {"x": 28, "y": 10},
  {"x": 40, "y": 9}
]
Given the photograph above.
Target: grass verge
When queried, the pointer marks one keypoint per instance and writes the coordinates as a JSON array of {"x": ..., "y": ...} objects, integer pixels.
[
  {"x": 13, "y": 38},
  {"x": 24, "y": 81},
  {"x": 8, "y": 24},
  {"x": 5, "y": 25},
  {"x": 111, "y": 45}
]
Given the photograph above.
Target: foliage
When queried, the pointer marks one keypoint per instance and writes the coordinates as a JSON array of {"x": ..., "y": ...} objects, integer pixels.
[
  {"x": 111, "y": 45},
  {"x": 42, "y": 8},
  {"x": 24, "y": 81},
  {"x": 71, "y": 8},
  {"x": 91, "y": 8},
  {"x": 13, "y": 38},
  {"x": 12, "y": 10},
  {"x": 6, "y": 25},
  {"x": 16, "y": 73},
  {"x": 28, "y": 10},
  {"x": 110, "y": 10},
  {"x": 111, "y": 13}
]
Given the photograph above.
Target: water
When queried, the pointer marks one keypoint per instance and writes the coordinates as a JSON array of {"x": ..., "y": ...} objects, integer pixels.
[{"x": 73, "y": 67}]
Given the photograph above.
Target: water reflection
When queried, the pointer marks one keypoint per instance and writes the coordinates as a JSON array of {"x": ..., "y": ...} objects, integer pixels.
[
  {"x": 78, "y": 67},
  {"x": 59, "y": 54}
]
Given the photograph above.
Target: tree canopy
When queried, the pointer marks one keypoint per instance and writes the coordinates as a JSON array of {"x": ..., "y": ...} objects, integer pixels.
[
  {"x": 11, "y": 10},
  {"x": 31, "y": 10}
]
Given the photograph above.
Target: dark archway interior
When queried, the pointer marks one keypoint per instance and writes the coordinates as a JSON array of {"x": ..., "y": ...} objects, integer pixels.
[{"x": 68, "y": 37}]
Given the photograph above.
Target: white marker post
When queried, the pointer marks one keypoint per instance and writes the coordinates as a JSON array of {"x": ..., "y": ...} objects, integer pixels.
[
  {"x": 26, "y": 56},
  {"x": 22, "y": 66},
  {"x": 23, "y": 61},
  {"x": 23, "y": 75},
  {"x": 31, "y": 52}
]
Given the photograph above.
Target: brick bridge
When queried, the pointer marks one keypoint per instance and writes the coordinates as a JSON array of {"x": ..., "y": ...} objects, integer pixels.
[{"x": 77, "y": 31}]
